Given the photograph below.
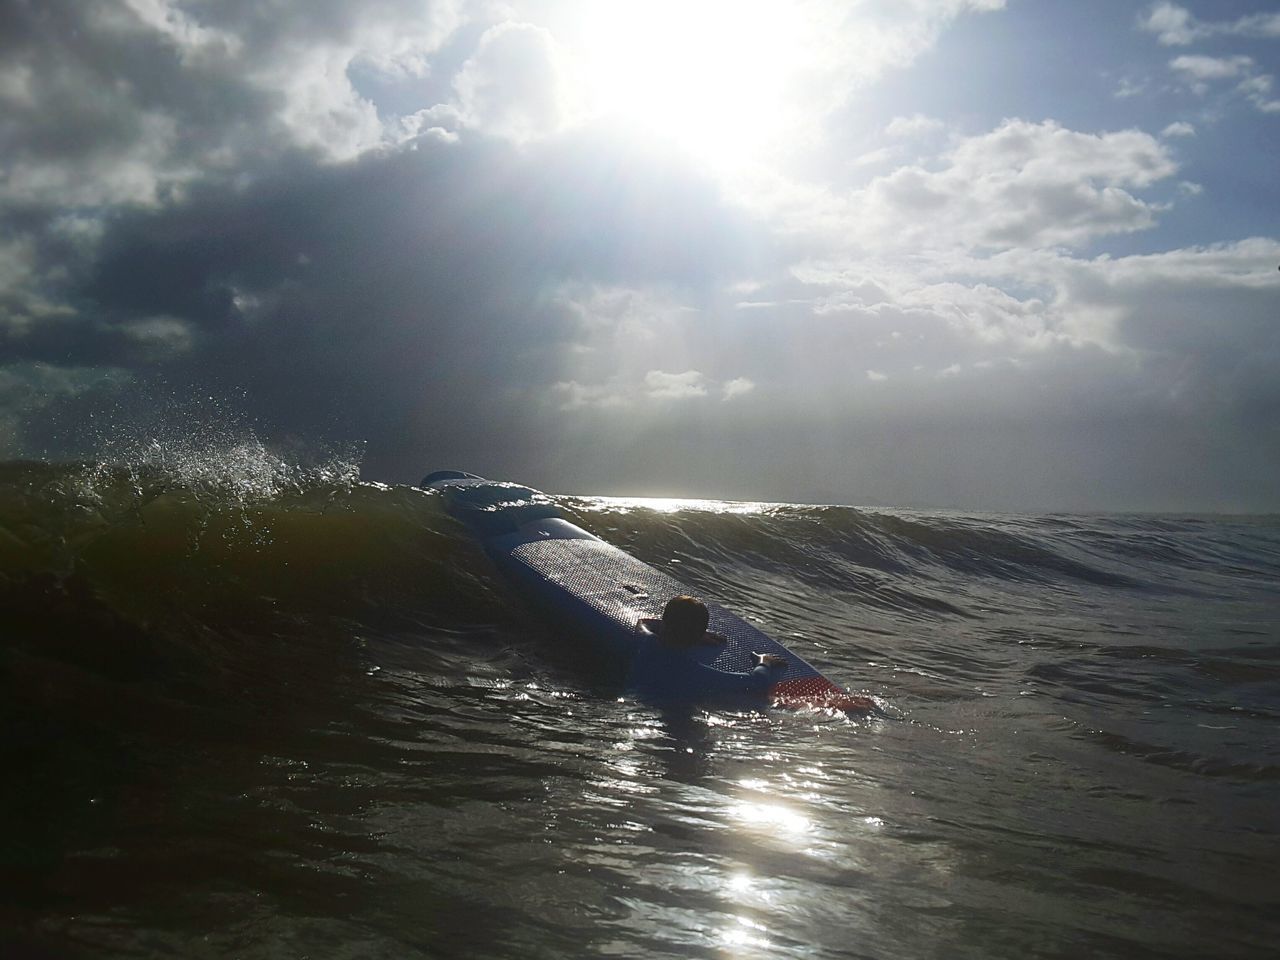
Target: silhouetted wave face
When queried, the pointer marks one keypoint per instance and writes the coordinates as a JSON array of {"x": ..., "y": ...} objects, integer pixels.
[{"x": 252, "y": 707}]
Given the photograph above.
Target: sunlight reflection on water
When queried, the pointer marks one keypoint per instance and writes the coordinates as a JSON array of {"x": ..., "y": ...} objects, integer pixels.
[
  {"x": 772, "y": 818},
  {"x": 678, "y": 504}
]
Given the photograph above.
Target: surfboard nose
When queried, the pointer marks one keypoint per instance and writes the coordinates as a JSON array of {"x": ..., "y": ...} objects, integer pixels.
[{"x": 818, "y": 691}]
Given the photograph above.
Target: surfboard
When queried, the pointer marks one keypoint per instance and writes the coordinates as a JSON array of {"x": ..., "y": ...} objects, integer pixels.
[{"x": 602, "y": 592}]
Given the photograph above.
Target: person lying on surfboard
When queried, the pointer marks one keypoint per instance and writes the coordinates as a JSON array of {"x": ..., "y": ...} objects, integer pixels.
[{"x": 674, "y": 658}]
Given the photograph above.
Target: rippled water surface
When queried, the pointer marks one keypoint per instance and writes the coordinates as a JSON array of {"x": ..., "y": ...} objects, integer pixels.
[{"x": 256, "y": 710}]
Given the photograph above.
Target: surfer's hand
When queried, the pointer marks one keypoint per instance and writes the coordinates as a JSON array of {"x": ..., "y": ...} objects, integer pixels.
[
  {"x": 714, "y": 639},
  {"x": 771, "y": 660}
]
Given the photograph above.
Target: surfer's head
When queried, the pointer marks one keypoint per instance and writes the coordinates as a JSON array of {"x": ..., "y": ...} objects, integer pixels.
[{"x": 684, "y": 621}]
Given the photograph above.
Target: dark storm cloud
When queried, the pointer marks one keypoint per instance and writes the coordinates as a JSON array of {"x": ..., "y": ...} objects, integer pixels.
[
  {"x": 175, "y": 213},
  {"x": 404, "y": 298},
  {"x": 109, "y": 109}
]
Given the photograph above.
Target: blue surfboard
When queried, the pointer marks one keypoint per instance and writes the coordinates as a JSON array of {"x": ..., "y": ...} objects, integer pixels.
[{"x": 602, "y": 593}]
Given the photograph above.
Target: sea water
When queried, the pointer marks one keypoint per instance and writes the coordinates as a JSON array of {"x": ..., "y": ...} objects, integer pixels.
[{"x": 254, "y": 709}]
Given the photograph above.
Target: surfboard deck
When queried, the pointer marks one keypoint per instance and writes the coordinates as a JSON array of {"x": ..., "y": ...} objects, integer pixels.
[{"x": 602, "y": 592}]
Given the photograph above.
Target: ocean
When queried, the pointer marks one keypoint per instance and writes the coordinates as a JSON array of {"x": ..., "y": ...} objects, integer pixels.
[{"x": 256, "y": 708}]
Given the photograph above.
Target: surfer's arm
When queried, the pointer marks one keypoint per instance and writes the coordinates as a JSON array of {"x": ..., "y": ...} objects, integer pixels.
[
  {"x": 677, "y": 674},
  {"x": 757, "y": 680}
]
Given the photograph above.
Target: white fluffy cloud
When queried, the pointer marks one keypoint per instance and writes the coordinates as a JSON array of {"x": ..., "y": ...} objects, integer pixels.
[
  {"x": 1200, "y": 74},
  {"x": 1173, "y": 25},
  {"x": 656, "y": 387},
  {"x": 1258, "y": 90},
  {"x": 675, "y": 386},
  {"x": 514, "y": 86},
  {"x": 1201, "y": 69},
  {"x": 1176, "y": 26},
  {"x": 1023, "y": 184}
]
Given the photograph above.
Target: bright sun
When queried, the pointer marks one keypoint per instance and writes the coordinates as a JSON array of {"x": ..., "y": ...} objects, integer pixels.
[{"x": 718, "y": 79}]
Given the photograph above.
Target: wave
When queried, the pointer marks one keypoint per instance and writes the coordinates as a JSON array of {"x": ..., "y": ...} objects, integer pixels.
[
  {"x": 242, "y": 529},
  {"x": 230, "y": 630}
]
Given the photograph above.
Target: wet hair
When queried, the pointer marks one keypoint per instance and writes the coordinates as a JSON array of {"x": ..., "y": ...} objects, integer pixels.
[{"x": 684, "y": 621}]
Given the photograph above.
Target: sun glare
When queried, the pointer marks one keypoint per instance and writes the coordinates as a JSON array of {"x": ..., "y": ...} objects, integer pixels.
[{"x": 714, "y": 78}]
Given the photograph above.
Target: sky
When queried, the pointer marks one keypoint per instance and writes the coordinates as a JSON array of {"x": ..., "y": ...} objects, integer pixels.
[{"x": 975, "y": 254}]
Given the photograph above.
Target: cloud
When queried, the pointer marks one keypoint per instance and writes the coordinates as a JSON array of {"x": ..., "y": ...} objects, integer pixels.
[
  {"x": 675, "y": 386},
  {"x": 398, "y": 287},
  {"x": 1199, "y": 321},
  {"x": 1185, "y": 335},
  {"x": 22, "y": 302},
  {"x": 1210, "y": 68},
  {"x": 573, "y": 395},
  {"x": 1158, "y": 287},
  {"x": 126, "y": 102},
  {"x": 913, "y": 126},
  {"x": 514, "y": 85},
  {"x": 657, "y": 386},
  {"x": 1199, "y": 73},
  {"x": 1023, "y": 184},
  {"x": 1131, "y": 87},
  {"x": 30, "y": 390},
  {"x": 160, "y": 334},
  {"x": 1179, "y": 128},
  {"x": 1176, "y": 26},
  {"x": 194, "y": 41},
  {"x": 1258, "y": 91},
  {"x": 1173, "y": 25}
]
